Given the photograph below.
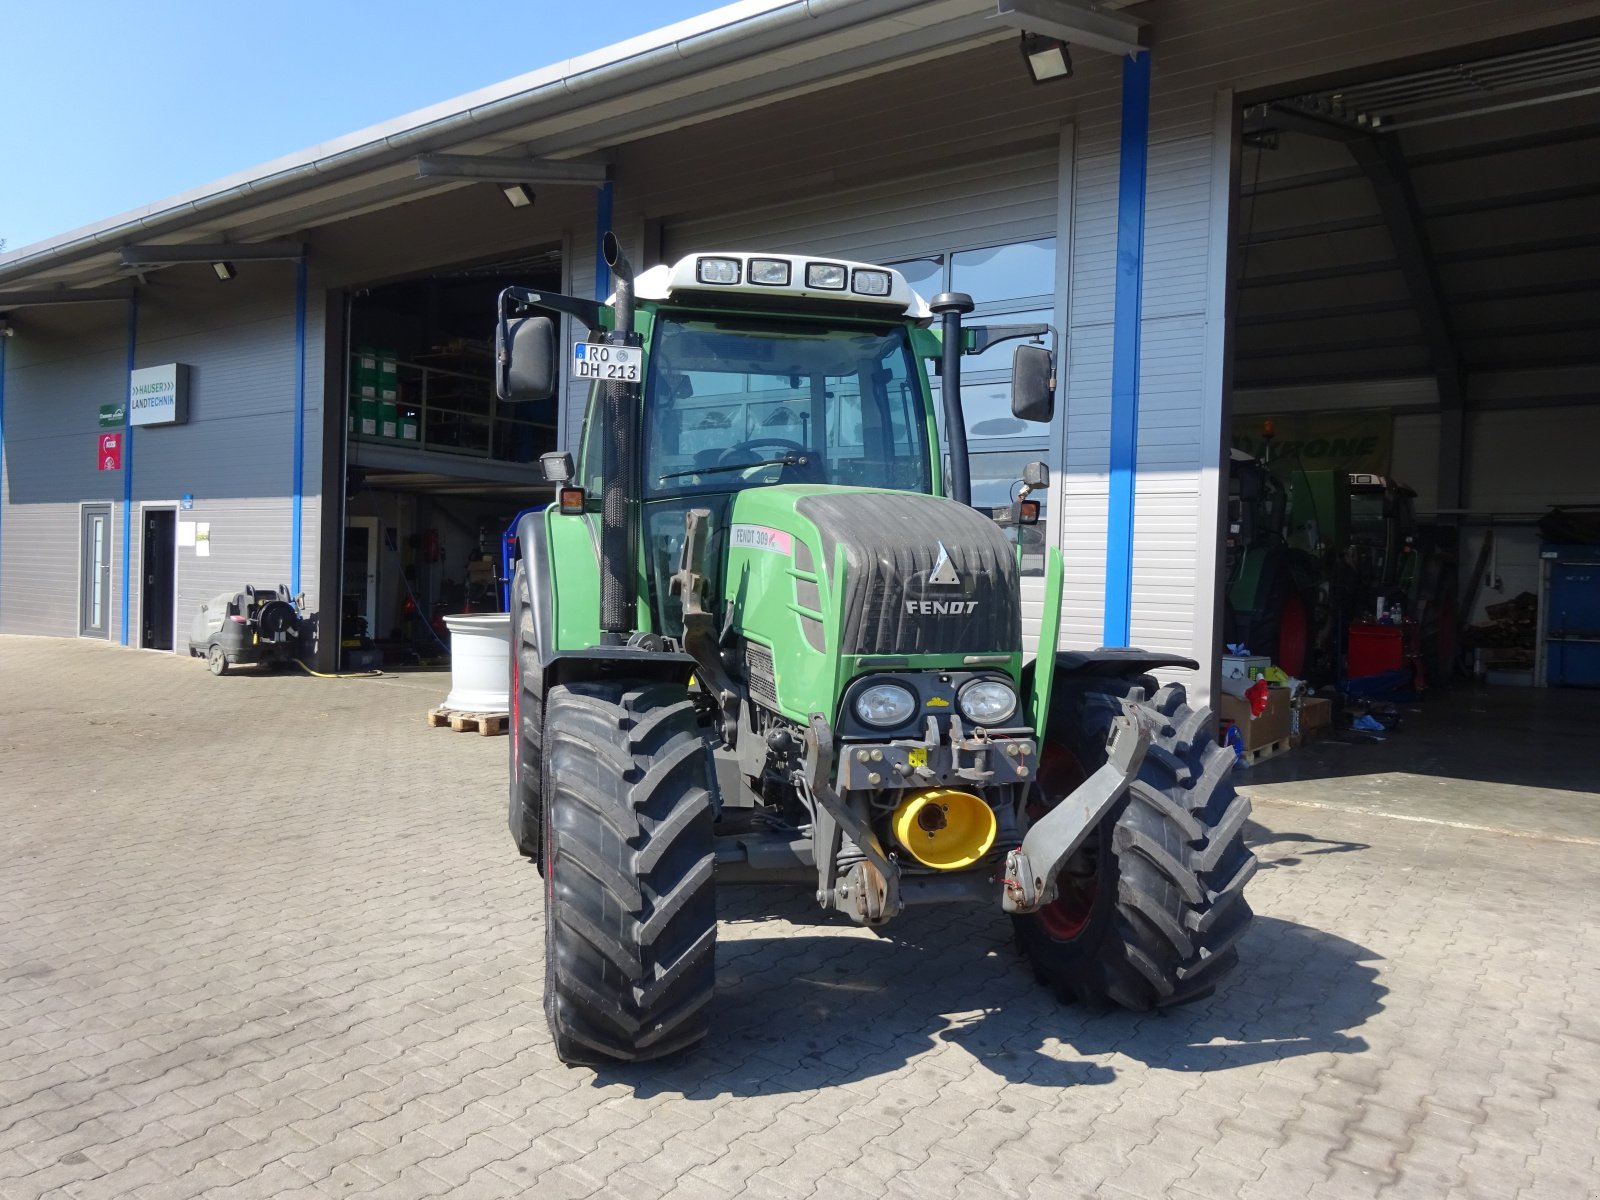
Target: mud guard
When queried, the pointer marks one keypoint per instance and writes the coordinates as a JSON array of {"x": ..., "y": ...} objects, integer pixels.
[{"x": 594, "y": 662}]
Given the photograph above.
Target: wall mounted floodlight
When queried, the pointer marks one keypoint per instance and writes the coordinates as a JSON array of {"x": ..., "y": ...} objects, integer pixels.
[
  {"x": 1047, "y": 57},
  {"x": 520, "y": 195},
  {"x": 5, "y": 328},
  {"x": 225, "y": 270}
]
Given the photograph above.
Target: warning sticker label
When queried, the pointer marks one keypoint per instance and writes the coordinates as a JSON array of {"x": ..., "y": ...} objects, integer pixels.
[{"x": 760, "y": 537}]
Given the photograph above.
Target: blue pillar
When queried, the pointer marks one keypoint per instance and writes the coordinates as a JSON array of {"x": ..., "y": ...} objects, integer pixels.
[
  {"x": 602, "y": 226},
  {"x": 127, "y": 460},
  {"x": 1125, "y": 347},
  {"x": 299, "y": 423}
]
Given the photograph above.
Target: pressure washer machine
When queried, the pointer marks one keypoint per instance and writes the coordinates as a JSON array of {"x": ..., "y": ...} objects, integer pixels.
[{"x": 256, "y": 626}]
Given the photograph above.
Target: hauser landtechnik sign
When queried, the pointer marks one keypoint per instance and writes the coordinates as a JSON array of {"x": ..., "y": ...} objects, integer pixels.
[{"x": 159, "y": 395}]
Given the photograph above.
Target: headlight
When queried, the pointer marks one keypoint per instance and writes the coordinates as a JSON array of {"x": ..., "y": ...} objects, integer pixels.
[
  {"x": 988, "y": 701},
  {"x": 827, "y": 276},
  {"x": 774, "y": 272},
  {"x": 871, "y": 283},
  {"x": 885, "y": 705},
  {"x": 717, "y": 270}
]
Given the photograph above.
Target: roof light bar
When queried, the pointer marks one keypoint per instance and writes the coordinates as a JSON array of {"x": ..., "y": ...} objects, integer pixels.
[{"x": 857, "y": 285}]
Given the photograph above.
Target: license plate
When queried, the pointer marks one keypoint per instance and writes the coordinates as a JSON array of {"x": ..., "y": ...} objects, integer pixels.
[{"x": 618, "y": 364}]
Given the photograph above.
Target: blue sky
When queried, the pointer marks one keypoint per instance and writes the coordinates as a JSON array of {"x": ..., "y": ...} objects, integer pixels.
[{"x": 111, "y": 105}]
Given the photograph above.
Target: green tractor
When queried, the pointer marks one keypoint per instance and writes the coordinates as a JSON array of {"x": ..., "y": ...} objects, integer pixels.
[
  {"x": 762, "y": 636},
  {"x": 1269, "y": 581}
]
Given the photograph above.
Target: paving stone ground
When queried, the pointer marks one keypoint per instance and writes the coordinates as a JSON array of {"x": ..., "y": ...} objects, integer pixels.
[{"x": 266, "y": 936}]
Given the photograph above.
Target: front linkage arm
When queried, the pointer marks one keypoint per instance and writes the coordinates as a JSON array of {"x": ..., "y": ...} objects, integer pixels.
[{"x": 1032, "y": 868}]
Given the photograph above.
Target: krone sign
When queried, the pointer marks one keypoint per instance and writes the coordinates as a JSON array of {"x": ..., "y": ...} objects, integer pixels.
[{"x": 159, "y": 395}]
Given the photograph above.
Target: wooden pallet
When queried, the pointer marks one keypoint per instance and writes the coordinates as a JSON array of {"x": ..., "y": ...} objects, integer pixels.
[
  {"x": 487, "y": 724},
  {"x": 1270, "y": 750}
]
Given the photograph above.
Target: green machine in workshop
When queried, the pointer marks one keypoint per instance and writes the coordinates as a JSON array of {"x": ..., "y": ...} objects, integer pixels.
[
  {"x": 1310, "y": 552},
  {"x": 762, "y": 636}
]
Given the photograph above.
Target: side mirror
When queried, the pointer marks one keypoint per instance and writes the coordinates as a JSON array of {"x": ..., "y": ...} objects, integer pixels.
[
  {"x": 525, "y": 357},
  {"x": 1033, "y": 385},
  {"x": 1036, "y": 475},
  {"x": 556, "y": 465}
]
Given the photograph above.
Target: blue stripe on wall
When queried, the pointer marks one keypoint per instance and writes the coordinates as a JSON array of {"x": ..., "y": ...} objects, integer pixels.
[
  {"x": 1125, "y": 347},
  {"x": 127, "y": 460},
  {"x": 299, "y": 423}
]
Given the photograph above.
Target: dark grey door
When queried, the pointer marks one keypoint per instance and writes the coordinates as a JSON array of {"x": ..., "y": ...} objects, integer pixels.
[
  {"x": 94, "y": 585},
  {"x": 160, "y": 550}
]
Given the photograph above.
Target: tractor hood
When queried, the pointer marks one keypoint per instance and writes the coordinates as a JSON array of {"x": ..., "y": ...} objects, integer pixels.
[{"x": 923, "y": 575}]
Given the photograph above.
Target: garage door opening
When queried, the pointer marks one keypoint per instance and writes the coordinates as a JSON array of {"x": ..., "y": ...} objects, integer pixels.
[
  {"x": 1416, "y": 380},
  {"x": 437, "y": 467},
  {"x": 1416, "y": 400}
]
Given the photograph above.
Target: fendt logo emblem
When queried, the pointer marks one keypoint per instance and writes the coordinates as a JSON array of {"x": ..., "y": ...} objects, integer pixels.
[
  {"x": 944, "y": 571},
  {"x": 943, "y": 575}
]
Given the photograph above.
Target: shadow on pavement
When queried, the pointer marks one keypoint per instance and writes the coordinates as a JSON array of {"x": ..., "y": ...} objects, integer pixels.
[
  {"x": 1268, "y": 846},
  {"x": 808, "y": 1011}
]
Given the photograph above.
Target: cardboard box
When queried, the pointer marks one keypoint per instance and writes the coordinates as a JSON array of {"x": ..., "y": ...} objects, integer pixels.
[
  {"x": 1315, "y": 719},
  {"x": 1271, "y": 726},
  {"x": 1316, "y": 714}
]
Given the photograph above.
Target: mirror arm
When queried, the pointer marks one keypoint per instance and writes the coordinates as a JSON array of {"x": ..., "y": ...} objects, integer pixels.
[
  {"x": 521, "y": 301},
  {"x": 982, "y": 337}
]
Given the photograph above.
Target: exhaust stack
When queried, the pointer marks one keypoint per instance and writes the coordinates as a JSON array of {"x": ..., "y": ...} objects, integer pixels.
[{"x": 619, "y": 495}]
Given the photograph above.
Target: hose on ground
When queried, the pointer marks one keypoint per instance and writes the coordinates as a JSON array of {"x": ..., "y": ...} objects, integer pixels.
[{"x": 350, "y": 675}]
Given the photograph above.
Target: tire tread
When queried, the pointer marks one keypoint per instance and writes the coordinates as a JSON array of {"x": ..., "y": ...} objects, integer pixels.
[{"x": 1179, "y": 863}]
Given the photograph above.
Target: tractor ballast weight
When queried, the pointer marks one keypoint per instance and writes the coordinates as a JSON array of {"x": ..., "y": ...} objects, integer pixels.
[{"x": 762, "y": 635}]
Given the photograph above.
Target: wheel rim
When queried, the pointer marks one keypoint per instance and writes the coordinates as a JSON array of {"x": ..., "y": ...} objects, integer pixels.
[{"x": 1066, "y": 917}]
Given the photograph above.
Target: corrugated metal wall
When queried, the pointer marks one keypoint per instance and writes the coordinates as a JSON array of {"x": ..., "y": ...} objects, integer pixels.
[
  {"x": 234, "y": 455},
  {"x": 60, "y": 367}
]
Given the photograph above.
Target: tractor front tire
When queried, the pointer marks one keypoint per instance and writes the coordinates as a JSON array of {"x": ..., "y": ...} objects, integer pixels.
[
  {"x": 630, "y": 903},
  {"x": 526, "y": 811},
  {"x": 1150, "y": 908}
]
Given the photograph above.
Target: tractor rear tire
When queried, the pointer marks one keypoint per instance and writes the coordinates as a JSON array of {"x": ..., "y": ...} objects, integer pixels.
[
  {"x": 630, "y": 903},
  {"x": 526, "y": 812},
  {"x": 1152, "y": 905}
]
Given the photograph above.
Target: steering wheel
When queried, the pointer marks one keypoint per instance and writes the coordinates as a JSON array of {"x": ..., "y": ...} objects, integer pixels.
[{"x": 792, "y": 447}]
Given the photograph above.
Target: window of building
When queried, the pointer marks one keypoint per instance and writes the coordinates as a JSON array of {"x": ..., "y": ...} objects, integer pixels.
[{"x": 1011, "y": 284}]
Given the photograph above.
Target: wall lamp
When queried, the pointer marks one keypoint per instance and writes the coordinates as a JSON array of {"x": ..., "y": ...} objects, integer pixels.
[
  {"x": 520, "y": 195},
  {"x": 225, "y": 270},
  {"x": 1047, "y": 57}
]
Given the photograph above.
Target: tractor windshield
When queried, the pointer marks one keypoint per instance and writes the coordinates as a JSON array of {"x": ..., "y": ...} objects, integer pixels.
[{"x": 737, "y": 402}]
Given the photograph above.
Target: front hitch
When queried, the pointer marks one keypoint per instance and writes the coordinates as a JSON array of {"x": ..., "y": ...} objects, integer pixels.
[{"x": 1032, "y": 868}]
